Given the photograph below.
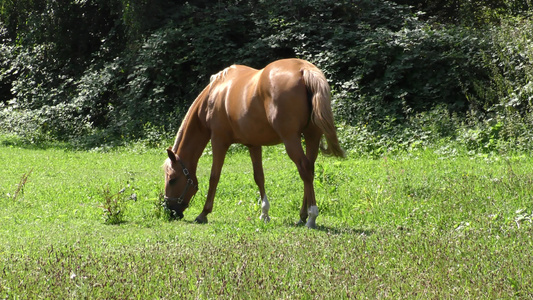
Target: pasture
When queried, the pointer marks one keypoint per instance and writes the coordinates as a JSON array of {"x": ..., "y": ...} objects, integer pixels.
[{"x": 431, "y": 223}]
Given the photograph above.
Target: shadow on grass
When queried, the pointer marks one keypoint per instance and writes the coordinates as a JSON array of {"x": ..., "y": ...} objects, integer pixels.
[
  {"x": 340, "y": 230},
  {"x": 346, "y": 230},
  {"x": 251, "y": 223}
]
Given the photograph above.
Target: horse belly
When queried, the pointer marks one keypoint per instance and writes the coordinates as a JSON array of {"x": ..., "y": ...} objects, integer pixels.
[
  {"x": 259, "y": 136},
  {"x": 252, "y": 128}
]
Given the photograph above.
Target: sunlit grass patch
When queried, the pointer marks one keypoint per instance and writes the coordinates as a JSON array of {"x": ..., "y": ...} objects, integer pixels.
[{"x": 420, "y": 224}]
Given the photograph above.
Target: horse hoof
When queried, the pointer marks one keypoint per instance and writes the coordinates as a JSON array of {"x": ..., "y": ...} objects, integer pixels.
[
  {"x": 265, "y": 218},
  {"x": 312, "y": 213},
  {"x": 310, "y": 225},
  {"x": 201, "y": 220},
  {"x": 300, "y": 223}
]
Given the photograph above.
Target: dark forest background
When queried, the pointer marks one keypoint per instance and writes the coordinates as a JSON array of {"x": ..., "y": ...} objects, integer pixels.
[{"x": 404, "y": 73}]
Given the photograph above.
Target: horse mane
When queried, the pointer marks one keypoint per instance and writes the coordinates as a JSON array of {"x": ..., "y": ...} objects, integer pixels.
[
  {"x": 221, "y": 75},
  {"x": 179, "y": 135},
  {"x": 185, "y": 121},
  {"x": 213, "y": 79},
  {"x": 167, "y": 165}
]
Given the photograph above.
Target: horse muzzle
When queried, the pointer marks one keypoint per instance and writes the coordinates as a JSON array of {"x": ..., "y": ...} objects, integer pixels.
[{"x": 175, "y": 206}]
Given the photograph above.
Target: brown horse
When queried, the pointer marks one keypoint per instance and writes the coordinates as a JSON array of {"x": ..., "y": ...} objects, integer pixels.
[{"x": 278, "y": 104}]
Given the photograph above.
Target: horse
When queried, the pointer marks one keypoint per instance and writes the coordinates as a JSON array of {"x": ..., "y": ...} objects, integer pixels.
[{"x": 280, "y": 103}]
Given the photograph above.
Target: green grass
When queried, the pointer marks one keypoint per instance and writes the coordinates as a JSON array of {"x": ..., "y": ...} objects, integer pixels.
[{"x": 426, "y": 224}]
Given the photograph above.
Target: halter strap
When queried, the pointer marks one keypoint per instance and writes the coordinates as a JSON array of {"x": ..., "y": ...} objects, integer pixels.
[{"x": 190, "y": 183}]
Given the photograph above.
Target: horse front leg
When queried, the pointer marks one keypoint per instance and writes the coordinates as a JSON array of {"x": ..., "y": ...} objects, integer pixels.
[
  {"x": 219, "y": 153},
  {"x": 259, "y": 177}
]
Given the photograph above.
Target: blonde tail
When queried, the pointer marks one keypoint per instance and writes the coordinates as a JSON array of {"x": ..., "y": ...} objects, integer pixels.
[{"x": 322, "y": 116}]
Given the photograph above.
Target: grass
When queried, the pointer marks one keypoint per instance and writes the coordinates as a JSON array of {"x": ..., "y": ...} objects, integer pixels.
[{"x": 426, "y": 224}]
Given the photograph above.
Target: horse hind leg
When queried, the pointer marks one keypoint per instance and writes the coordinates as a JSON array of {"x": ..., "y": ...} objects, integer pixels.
[
  {"x": 309, "y": 210},
  {"x": 265, "y": 207},
  {"x": 312, "y": 141},
  {"x": 259, "y": 177}
]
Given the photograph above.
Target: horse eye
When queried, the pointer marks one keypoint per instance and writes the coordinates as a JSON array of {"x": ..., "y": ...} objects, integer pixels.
[{"x": 172, "y": 181}]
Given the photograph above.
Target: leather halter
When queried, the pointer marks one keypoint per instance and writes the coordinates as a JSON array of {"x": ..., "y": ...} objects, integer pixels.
[{"x": 190, "y": 183}]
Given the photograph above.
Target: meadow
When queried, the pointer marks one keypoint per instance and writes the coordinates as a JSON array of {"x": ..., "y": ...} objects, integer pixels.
[{"x": 426, "y": 224}]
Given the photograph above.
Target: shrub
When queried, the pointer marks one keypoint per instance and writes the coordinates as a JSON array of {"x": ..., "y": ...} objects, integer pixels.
[{"x": 392, "y": 68}]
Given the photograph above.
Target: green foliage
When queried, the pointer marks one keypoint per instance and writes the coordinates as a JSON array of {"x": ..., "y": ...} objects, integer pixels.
[
  {"x": 511, "y": 63},
  {"x": 99, "y": 72},
  {"x": 471, "y": 12},
  {"x": 400, "y": 73}
]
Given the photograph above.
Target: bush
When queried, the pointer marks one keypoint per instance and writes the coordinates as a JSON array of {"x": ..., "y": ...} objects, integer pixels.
[{"x": 396, "y": 73}]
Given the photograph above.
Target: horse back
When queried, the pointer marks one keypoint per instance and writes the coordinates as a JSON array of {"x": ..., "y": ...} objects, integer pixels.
[{"x": 257, "y": 107}]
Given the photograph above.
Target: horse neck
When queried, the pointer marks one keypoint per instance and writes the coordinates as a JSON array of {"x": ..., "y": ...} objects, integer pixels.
[
  {"x": 190, "y": 153},
  {"x": 192, "y": 138}
]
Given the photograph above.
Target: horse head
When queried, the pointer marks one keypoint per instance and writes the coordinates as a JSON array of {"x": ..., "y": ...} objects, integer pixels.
[{"x": 180, "y": 185}]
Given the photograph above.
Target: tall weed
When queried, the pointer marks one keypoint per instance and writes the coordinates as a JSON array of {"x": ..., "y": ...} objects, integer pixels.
[
  {"x": 22, "y": 184},
  {"x": 114, "y": 204}
]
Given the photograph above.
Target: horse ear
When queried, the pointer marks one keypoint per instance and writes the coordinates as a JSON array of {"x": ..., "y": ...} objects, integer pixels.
[{"x": 171, "y": 155}]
